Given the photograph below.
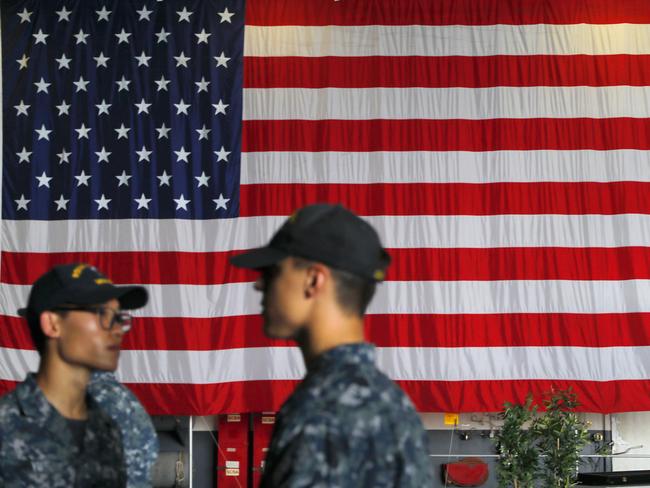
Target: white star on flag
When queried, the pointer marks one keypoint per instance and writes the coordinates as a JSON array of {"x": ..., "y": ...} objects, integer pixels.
[
  {"x": 43, "y": 133},
  {"x": 82, "y": 178},
  {"x": 103, "y": 155},
  {"x": 44, "y": 180},
  {"x": 162, "y": 35},
  {"x": 164, "y": 179},
  {"x": 123, "y": 132},
  {"x": 64, "y": 156},
  {"x": 23, "y": 155},
  {"x": 123, "y": 84},
  {"x": 24, "y": 17},
  {"x": 63, "y": 14},
  {"x": 21, "y": 108},
  {"x": 40, "y": 37},
  {"x": 162, "y": 83},
  {"x": 61, "y": 203},
  {"x": 81, "y": 84},
  {"x": 181, "y": 202},
  {"x": 202, "y": 180},
  {"x": 103, "y": 14},
  {"x": 182, "y": 154},
  {"x": 143, "y": 154},
  {"x": 22, "y": 203},
  {"x": 64, "y": 62},
  {"x": 101, "y": 60},
  {"x": 222, "y": 60},
  {"x": 181, "y": 107},
  {"x": 64, "y": 108},
  {"x": 144, "y": 13},
  {"x": 123, "y": 179},
  {"x": 184, "y": 15},
  {"x": 203, "y": 132},
  {"x": 202, "y": 36},
  {"x": 181, "y": 59},
  {"x": 202, "y": 85},
  {"x": 42, "y": 86},
  {"x": 81, "y": 37},
  {"x": 222, "y": 154},
  {"x": 225, "y": 16},
  {"x": 143, "y": 202},
  {"x": 162, "y": 131},
  {"x": 103, "y": 107},
  {"x": 123, "y": 36},
  {"x": 22, "y": 62},
  {"x": 221, "y": 202},
  {"x": 143, "y": 107},
  {"x": 143, "y": 59},
  {"x": 83, "y": 131},
  {"x": 102, "y": 202}
]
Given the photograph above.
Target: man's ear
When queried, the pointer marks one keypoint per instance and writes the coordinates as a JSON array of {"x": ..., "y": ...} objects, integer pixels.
[
  {"x": 50, "y": 324},
  {"x": 316, "y": 278}
]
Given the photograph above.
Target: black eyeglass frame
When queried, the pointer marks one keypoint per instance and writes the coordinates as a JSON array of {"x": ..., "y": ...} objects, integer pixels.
[{"x": 121, "y": 318}]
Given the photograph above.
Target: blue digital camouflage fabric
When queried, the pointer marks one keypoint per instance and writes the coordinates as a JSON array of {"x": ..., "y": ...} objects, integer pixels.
[
  {"x": 37, "y": 447},
  {"x": 347, "y": 425},
  {"x": 139, "y": 439}
]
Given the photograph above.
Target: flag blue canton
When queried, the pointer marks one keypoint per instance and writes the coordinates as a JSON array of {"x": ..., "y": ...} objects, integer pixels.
[{"x": 121, "y": 109}]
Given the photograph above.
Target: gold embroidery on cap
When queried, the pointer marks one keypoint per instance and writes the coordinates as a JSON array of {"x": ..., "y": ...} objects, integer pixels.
[
  {"x": 103, "y": 281},
  {"x": 76, "y": 273},
  {"x": 379, "y": 275}
]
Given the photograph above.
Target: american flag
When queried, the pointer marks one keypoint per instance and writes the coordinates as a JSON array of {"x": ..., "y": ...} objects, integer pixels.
[{"x": 500, "y": 148}]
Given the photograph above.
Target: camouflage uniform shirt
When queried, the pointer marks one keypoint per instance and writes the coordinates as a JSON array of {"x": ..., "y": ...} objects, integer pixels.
[
  {"x": 347, "y": 425},
  {"x": 139, "y": 439},
  {"x": 37, "y": 447}
]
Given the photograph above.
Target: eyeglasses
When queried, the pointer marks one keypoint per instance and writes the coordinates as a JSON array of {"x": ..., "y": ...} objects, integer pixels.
[{"x": 107, "y": 316}]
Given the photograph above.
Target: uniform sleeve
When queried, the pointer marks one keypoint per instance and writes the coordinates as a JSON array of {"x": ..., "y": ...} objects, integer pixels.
[
  {"x": 315, "y": 455},
  {"x": 139, "y": 438}
]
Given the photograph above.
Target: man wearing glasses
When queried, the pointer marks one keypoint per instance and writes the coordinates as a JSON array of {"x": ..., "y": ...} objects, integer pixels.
[{"x": 72, "y": 423}]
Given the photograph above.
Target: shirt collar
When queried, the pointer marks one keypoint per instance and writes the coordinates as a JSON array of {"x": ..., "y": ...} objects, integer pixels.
[{"x": 357, "y": 353}]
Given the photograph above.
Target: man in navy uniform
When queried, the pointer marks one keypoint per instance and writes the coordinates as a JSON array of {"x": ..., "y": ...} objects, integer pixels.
[
  {"x": 347, "y": 424},
  {"x": 72, "y": 423}
]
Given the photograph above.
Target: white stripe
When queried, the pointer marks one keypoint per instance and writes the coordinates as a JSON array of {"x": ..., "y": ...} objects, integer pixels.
[
  {"x": 395, "y": 231},
  {"x": 399, "y": 363},
  {"x": 400, "y": 297},
  {"x": 448, "y": 40},
  {"x": 446, "y": 103},
  {"x": 445, "y": 167}
]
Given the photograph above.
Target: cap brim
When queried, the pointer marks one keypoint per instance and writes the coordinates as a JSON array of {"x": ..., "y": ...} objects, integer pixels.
[
  {"x": 130, "y": 297},
  {"x": 22, "y": 312},
  {"x": 258, "y": 258}
]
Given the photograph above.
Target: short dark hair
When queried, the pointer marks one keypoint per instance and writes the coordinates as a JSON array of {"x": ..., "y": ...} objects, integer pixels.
[
  {"x": 353, "y": 292},
  {"x": 38, "y": 338}
]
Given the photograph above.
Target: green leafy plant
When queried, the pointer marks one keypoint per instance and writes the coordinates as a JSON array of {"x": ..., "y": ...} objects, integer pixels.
[
  {"x": 561, "y": 436},
  {"x": 518, "y": 460}
]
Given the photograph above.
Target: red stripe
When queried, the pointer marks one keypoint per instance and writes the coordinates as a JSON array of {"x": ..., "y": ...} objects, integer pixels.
[
  {"x": 446, "y": 71},
  {"x": 440, "y": 264},
  {"x": 445, "y": 135},
  {"x": 407, "y": 330},
  {"x": 452, "y": 198},
  {"x": 489, "y": 396},
  {"x": 428, "y": 396},
  {"x": 199, "y": 268},
  {"x": 445, "y": 12}
]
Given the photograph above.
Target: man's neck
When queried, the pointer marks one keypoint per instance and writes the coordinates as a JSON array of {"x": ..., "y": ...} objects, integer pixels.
[
  {"x": 64, "y": 386},
  {"x": 327, "y": 332}
]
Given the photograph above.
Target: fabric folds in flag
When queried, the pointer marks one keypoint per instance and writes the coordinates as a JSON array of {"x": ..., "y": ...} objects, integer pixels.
[{"x": 501, "y": 150}]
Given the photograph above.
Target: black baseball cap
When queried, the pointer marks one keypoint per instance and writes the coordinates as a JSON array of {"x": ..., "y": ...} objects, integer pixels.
[
  {"x": 329, "y": 234},
  {"x": 79, "y": 284}
]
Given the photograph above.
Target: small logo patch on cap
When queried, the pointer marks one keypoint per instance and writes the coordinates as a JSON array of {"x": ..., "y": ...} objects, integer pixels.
[
  {"x": 379, "y": 275},
  {"x": 103, "y": 281},
  {"x": 76, "y": 272}
]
